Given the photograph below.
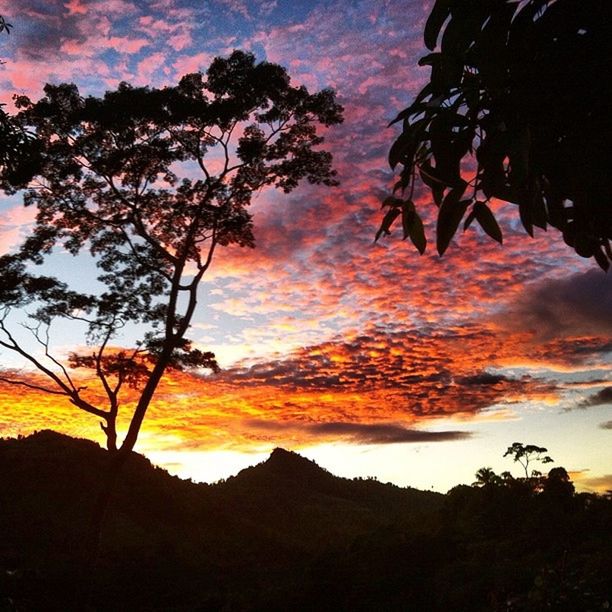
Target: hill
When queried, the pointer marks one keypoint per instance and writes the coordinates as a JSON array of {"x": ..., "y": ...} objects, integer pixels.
[
  {"x": 262, "y": 527},
  {"x": 288, "y": 535}
]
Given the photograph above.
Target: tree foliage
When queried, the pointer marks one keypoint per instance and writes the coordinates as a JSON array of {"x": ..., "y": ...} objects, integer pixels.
[
  {"x": 17, "y": 147},
  {"x": 526, "y": 454},
  {"x": 517, "y": 108},
  {"x": 109, "y": 180}
]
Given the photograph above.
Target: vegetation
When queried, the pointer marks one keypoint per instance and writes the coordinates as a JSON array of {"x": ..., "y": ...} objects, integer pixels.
[
  {"x": 526, "y": 454},
  {"x": 516, "y": 109},
  {"x": 17, "y": 147},
  {"x": 288, "y": 535},
  {"x": 105, "y": 175},
  {"x": 107, "y": 181}
]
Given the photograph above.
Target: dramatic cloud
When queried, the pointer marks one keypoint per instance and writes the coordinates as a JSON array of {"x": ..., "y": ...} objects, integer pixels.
[
  {"x": 579, "y": 305},
  {"x": 363, "y": 433},
  {"x": 598, "y": 399},
  {"x": 421, "y": 374}
]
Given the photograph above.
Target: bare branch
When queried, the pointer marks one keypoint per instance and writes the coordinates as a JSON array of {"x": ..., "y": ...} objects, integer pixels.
[
  {"x": 65, "y": 389},
  {"x": 23, "y": 383},
  {"x": 137, "y": 222}
]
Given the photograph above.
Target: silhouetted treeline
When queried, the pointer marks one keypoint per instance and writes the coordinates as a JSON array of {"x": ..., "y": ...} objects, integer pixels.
[{"x": 287, "y": 535}]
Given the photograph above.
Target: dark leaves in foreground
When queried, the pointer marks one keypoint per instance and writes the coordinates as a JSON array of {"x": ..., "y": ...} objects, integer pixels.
[{"x": 517, "y": 109}]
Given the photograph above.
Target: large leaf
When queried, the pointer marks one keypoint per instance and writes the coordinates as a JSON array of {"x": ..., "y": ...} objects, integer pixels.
[
  {"x": 408, "y": 213},
  {"x": 539, "y": 213},
  {"x": 601, "y": 259},
  {"x": 430, "y": 59},
  {"x": 526, "y": 215},
  {"x": 469, "y": 219},
  {"x": 387, "y": 221},
  {"x": 416, "y": 107},
  {"x": 396, "y": 152},
  {"x": 519, "y": 153},
  {"x": 435, "y": 21},
  {"x": 450, "y": 215},
  {"x": 413, "y": 226},
  {"x": 429, "y": 175},
  {"x": 417, "y": 233},
  {"x": 490, "y": 51},
  {"x": 448, "y": 146},
  {"x": 487, "y": 221},
  {"x": 404, "y": 148}
]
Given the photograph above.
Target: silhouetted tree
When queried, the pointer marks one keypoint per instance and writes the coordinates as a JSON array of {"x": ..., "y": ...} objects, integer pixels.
[
  {"x": 558, "y": 485},
  {"x": 517, "y": 108},
  {"x": 526, "y": 454},
  {"x": 110, "y": 182},
  {"x": 485, "y": 476}
]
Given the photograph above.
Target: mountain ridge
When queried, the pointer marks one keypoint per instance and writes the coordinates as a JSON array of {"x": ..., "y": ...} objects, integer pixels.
[
  {"x": 288, "y": 535},
  {"x": 266, "y": 524}
]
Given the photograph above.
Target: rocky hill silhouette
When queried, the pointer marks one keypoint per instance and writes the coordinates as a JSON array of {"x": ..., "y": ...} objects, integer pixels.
[{"x": 288, "y": 535}]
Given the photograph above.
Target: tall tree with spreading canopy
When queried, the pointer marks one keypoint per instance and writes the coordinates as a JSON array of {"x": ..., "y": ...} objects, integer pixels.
[
  {"x": 108, "y": 182},
  {"x": 517, "y": 108}
]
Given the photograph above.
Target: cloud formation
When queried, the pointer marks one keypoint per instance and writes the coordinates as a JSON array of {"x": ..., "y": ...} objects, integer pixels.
[
  {"x": 601, "y": 398},
  {"x": 577, "y": 305},
  {"x": 362, "y": 433}
]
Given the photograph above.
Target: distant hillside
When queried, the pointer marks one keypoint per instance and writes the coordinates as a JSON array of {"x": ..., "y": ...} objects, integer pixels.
[
  {"x": 268, "y": 520},
  {"x": 288, "y": 535}
]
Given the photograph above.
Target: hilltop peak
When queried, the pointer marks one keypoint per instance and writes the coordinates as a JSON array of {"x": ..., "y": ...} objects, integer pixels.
[
  {"x": 287, "y": 466},
  {"x": 291, "y": 463},
  {"x": 282, "y": 454}
]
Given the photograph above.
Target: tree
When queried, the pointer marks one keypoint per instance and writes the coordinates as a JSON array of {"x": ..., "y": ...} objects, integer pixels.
[
  {"x": 17, "y": 147},
  {"x": 107, "y": 183},
  {"x": 558, "y": 485},
  {"x": 486, "y": 477},
  {"x": 526, "y": 454},
  {"x": 517, "y": 109}
]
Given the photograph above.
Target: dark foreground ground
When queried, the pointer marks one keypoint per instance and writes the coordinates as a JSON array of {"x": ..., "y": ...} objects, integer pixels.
[{"x": 288, "y": 535}]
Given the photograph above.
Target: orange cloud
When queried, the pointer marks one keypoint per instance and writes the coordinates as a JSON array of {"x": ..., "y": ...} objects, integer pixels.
[{"x": 360, "y": 388}]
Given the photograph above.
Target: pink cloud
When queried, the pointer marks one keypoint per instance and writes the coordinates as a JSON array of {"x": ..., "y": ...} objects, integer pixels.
[
  {"x": 180, "y": 40},
  {"x": 127, "y": 45},
  {"x": 14, "y": 224},
  {"x": 75, "y": 7},
  {"x": 186, "y": 64},
  {"x": 152, "y": 69}
]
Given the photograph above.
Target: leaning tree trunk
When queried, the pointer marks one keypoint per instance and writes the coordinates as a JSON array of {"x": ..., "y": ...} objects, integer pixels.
[{"x": 90, "y": 558}]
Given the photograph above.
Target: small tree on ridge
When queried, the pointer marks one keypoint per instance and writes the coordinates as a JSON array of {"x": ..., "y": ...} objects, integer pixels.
[{"x": 526, "y": 454}]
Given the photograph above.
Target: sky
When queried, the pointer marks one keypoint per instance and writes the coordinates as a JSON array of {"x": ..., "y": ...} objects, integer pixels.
[{"x": 368, "y": 358}]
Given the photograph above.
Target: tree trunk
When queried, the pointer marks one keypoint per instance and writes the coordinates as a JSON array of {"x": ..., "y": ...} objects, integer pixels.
[{"x": 85, "y": 591}]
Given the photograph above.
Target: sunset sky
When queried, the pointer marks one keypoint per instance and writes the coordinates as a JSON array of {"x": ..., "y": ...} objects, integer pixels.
[{"x": 366, "y": 357}]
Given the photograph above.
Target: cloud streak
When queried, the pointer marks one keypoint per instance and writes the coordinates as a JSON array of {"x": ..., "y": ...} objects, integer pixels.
[{"x": 362, "y": 433}]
